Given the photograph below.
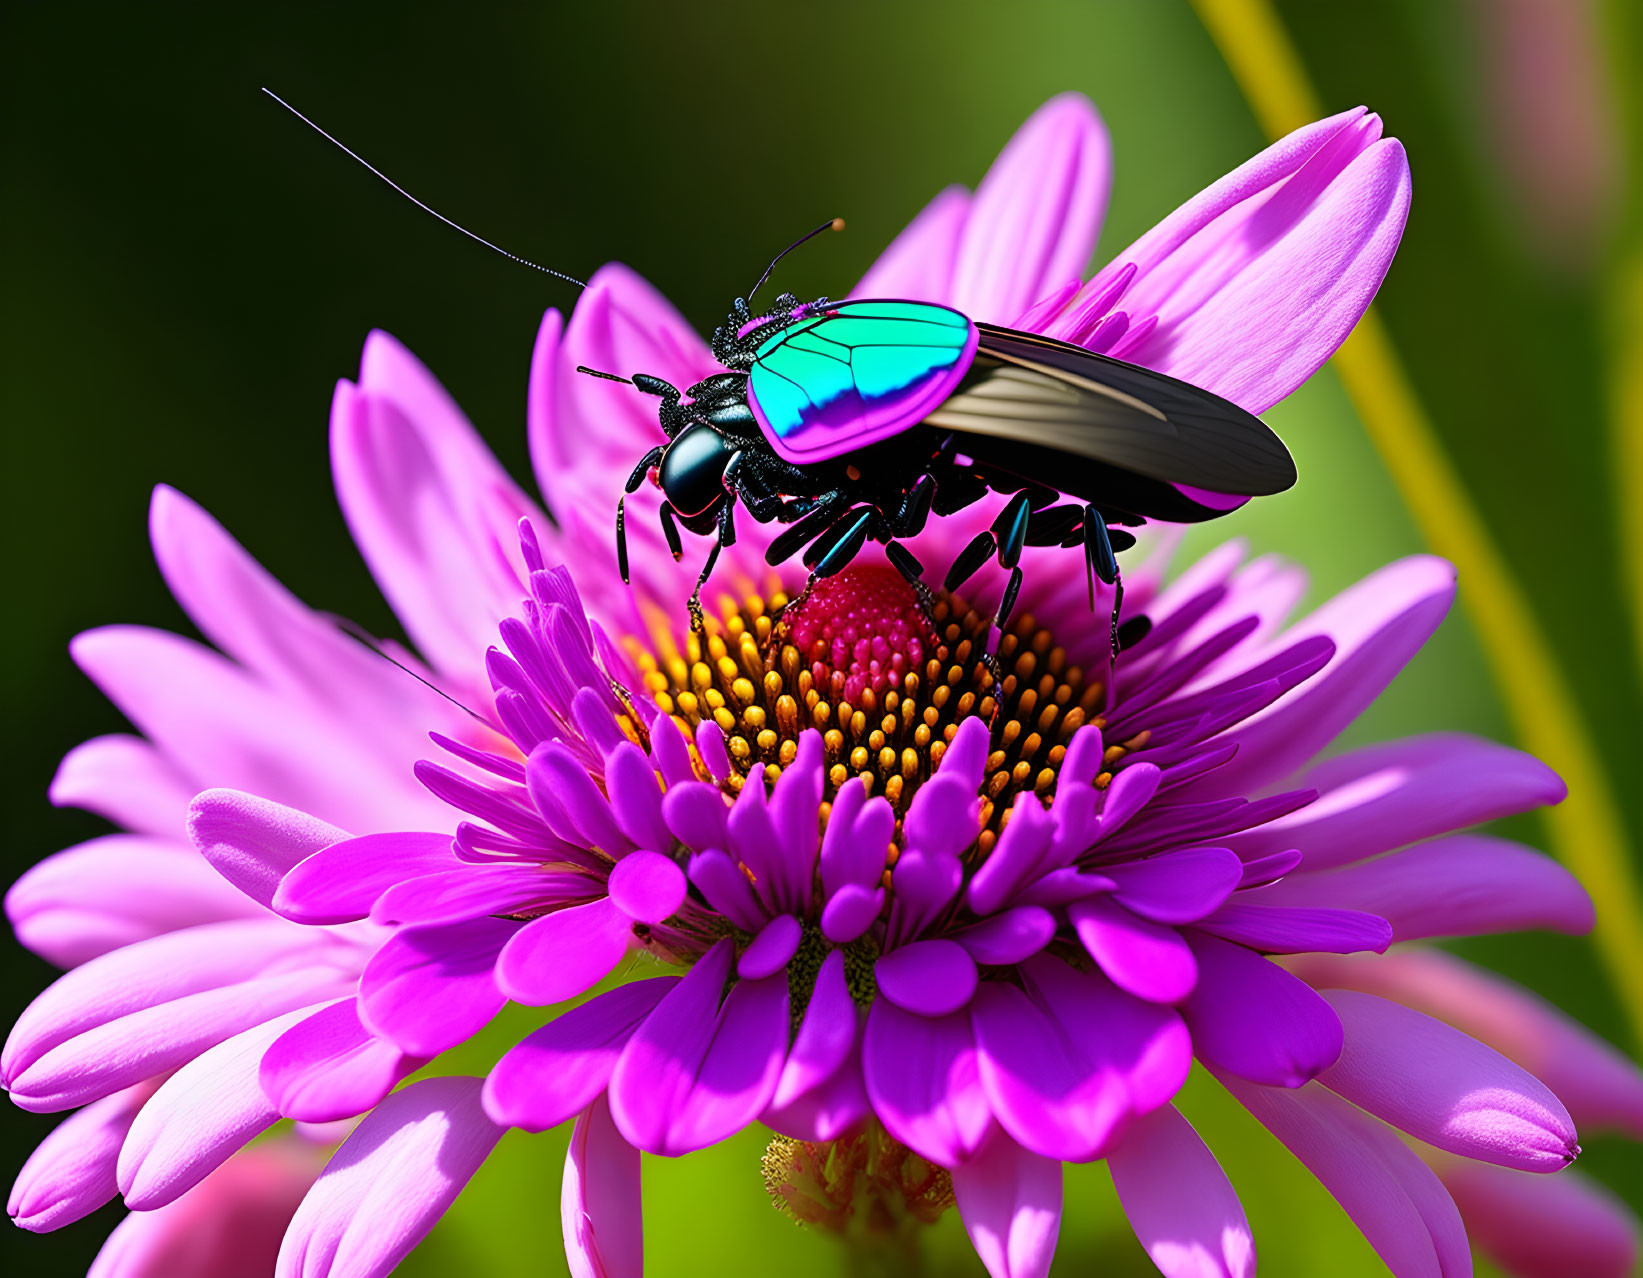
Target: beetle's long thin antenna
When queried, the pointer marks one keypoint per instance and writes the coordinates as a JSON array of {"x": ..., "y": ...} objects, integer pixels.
[
  {"x": 832, "y": 224},
  {"x": 495, "y": 248},
  {"x": 362, "y": 636},
  {"x": 609, "y": 377}
]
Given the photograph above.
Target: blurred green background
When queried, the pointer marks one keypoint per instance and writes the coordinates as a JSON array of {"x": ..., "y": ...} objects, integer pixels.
[{"x": 187, "y": 272}]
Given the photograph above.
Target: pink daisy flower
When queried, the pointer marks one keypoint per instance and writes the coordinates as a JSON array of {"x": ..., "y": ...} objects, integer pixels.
[{"x": 915, "y": 960}]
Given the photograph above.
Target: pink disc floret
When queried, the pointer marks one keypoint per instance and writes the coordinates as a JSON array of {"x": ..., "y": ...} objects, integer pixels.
[{"x": 864, "y": 624}]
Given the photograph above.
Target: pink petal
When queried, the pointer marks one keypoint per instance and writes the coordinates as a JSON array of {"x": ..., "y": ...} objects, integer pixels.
[
  {"x": 1445, "y": 1088},
  {"x": 770, "y": 951},
  {"x": 341, "y": 883},
  {"x": 390, "y": 1182},
  {"x": 1035, "y": 216},
  {"x": 1251, "y": 1018},
  {"x": 1178, "y": 887},
  {"x": 599, "y": 1200},
  {"x": 1010, "y": 1200},
  {"x": 1601, "y": 1087},
  {"x": 225, "y": 728},
  {"x": 71, "y": 1173},
  {"x": 562, "y": 1067},
  {"x": 434, "y": 514},
  {"x": 924, "y": 1082},
  {"x": 449, "y": 896},
  {"x": 1147, "y": 959},
  {"x": 563, "y": 954},
  {"x": 1464, "y": 885},
  {"x": 1390, "y": 795},
  {"x": 252, "y": 842},
  {"x": 1280, "y": 929},
  {"x": 1010, "y": 937},
  {"x": 647, "y": 886},
  {"x": 229, "y": 1225},
  {"x": 429, "y": 988},
  {"x": 1376, "y": 626},
  {"x": 825, "y": 1036},
  {"x": 125, "y": 780},
  {"x": 141, "y": 976},
  {"x": 918, "y": 264},
  {"x": 115, "y": 891},
  {"x": 203, "y": 1113},
  {"x": 696, "y": 1071},
  {"x": 1543, "y": 1226},
  {"x": 1179, "y": 1202},
  {"x": 931, "y": 978},
  {"x": 328, "y": 1067},
  {"x": 1257, "y": 280},
  {"x": 1067, "y": 1062},
  {"x": 1393, "y": 1197}
]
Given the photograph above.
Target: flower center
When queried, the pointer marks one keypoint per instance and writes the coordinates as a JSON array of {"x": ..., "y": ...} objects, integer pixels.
[{"x": 885, "y": 683}]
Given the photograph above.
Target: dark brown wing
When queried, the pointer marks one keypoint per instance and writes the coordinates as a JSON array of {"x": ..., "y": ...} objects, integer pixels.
[{"x": 1052, "y": 395}]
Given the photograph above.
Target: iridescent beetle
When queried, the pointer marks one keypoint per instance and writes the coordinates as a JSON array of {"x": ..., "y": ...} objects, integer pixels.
[{"x": 855, "y": 421}]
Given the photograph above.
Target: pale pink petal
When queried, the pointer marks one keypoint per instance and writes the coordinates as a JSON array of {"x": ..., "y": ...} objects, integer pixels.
[
  {"x": 918, "y": 264},
  {"x": 1543, "y": 1226},
  {"x": 125, "y": 780},
  {"x": 71, "y": 1172},
  {"x": 253, "y": 842},
  {"x": 1395, "y": 1199},
  {"x": 1445, "y": 1088},
  {"x": 1010, "y": 1200},
  {"x": 390, "y": 1182},
  {"x": 225, "y": 728},
  {"x": 1600, "y": 1086},
  {"x": 1465, "y": 885},
  {"x": 434, "y": 514},
  {"x": 1396, "y": 793},
  {"x": 599, "y": 1200},
  {"x": 114, "y": 891},
  {"x": 1035, "y": 216},
  {"x": 340, "y": 883},
  {"x": 228, "y": 1226},
  {"x": 1376, "y": 626},
  {"x": 199, "y": 1116},
  {"x": 1256, "y": 281},
  {"x": 1179, "y": 1202}
]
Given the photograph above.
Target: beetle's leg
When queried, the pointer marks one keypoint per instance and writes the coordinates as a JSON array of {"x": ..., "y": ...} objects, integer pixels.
[
  {"x": 652, "y": 458},
  {"x": 622, "y": 539},
  {"x": 670, "y": 530},
  {"x": 978, "y": 552},
  {"x": 1010, "y": 527},
  {"x": 1100, "y": 562},
  {"x": 818, "y": 521},
  {"x": 726, "y": 537},
  {"x": 1052, "y": 525},
  {"x": 909, "y": 517},
  {"x": 842, "y": 543}
]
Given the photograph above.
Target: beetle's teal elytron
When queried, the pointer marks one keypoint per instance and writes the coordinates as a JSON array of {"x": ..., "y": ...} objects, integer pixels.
[{"x": 857, "y": 420}]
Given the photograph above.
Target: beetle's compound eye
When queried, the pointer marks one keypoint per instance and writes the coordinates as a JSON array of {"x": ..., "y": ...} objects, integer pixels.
[{"x": 693, "y": 468}]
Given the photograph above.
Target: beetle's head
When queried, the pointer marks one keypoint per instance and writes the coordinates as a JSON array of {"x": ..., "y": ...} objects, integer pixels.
[{"x": 692, "y": 471}]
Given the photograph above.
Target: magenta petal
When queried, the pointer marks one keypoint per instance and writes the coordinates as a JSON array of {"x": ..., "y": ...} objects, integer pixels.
[
  {"x": 329, "y": 1067},
  {"x": 1178, "y": 1200},
  {"x": 726, "y": 889},
  {"x": 828, "y": 1111},
  {"x": 1178, "y": 887},
  {"x": 770, "y": 950},
  {"x": 1464, "y": 885},
  {"x": 1010, "y": 937},
  {"x": 559, "y": 1069},
  {"x": 390, "y": 1182},
  {"x": 825, "y": 1036},
  {"x": 923, "y": 1080},
  {"x": 71, "y": 1173},
  {"x": 1449, "y": 1090},
  {"x": 1278, "y": 929},
  {"x": 1010, "y": 1201},
  {"x": 1543, "y": 1226},
  {"x": 1392, "y": 1196},
  {"x": 449, "y": 896},
  {"x": 930, "y": 978},
  {"x": 738, "y": 1075},
  {"x": 253, "y": 843},
  {"x": 342, "y": 882},
  {"x": 599, "y": 1200},
  {"x": 850, "y": 911},
  {"x": 1148, "y": 959},
  {"x": 1390, "y": 795},
  {"x": 562, "y": 954},
  {"x": 647, "y": 886},
  {"x": 430, "y": 988},
  {"x": 1251, "y": 1018},
  {"x": 1035, "y": 216}
]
